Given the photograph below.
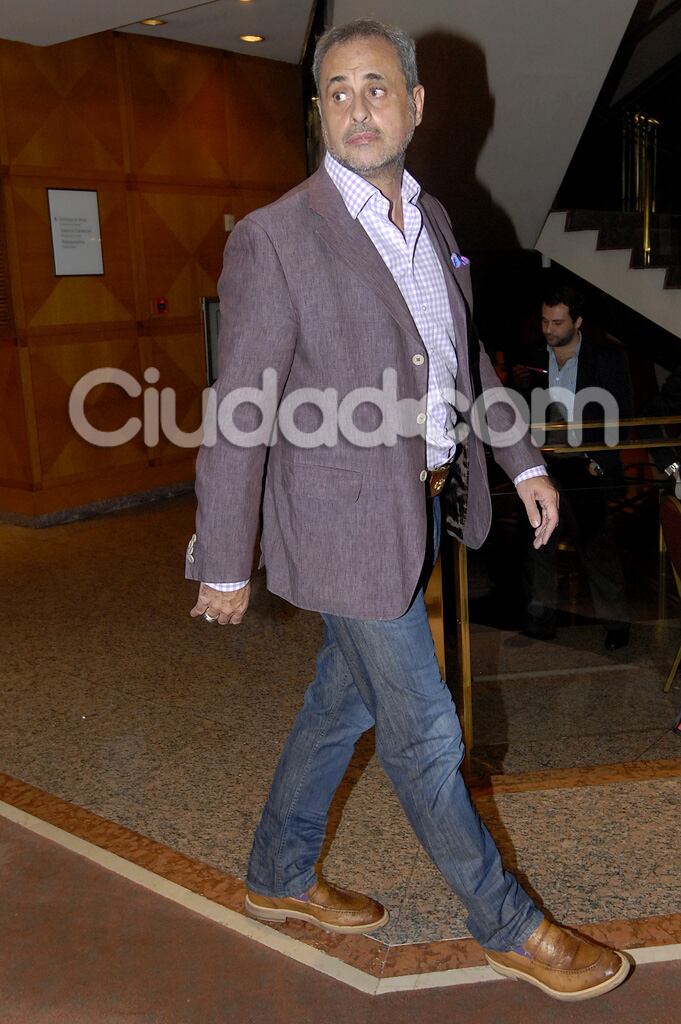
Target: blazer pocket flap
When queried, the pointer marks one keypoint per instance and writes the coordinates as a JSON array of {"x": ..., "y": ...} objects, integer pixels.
[{"x": 327, "y": 483}]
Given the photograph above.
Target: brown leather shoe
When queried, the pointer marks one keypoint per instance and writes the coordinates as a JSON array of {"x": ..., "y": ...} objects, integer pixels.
[
  {"x": 331, "y": 908},
  {"x": 562, "y": 964}
]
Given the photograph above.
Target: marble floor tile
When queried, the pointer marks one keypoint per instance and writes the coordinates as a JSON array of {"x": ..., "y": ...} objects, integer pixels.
[
  {"x": 614, "y": 703},
  {"x": 430, "y": 911},
  {"x": 561, "y": 751},
  {"x": 581, "y": 873},
  {"x": 597, "y": 854},
  {"x": 668, "y": 744},
  {"x": 77, "y": 755},
  {"x": 594, "y": 854},
  {"x": 504, "y": 654}
]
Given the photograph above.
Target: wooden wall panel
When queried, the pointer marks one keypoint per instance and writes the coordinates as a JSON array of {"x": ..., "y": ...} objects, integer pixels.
[
  {"x": 55, "y": 369},
  {"x": 183, "y": 237},
  {"x": 180, "y": 362},
  {"x": 172, "y": 137},
  {"x": 61, "y": 106},
  {"x": 178, "y": 106},
  {"x": 264, "y": 92},
  {"x": 15, "y": 462},
  {"x": 6, "y": 305}
]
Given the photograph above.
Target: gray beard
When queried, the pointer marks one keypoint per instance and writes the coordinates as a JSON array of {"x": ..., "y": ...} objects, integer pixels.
[{"x": 392, "y": 165}]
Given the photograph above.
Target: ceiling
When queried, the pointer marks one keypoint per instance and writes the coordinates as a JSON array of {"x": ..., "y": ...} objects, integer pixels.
[
  {"x": 509, "y": 89},
  {"x": 218, "y": 23}
]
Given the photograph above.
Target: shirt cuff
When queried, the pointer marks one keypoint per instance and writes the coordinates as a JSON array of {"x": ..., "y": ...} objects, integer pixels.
[
  {"x": 529, "y": 473},
  {"x": 226, "y": 588}
]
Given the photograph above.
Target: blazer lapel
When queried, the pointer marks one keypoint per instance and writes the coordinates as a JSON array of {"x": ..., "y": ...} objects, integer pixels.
[
  {"x": 460, "y": 301},
  {"x": 443, "y": 241},
  {"x": 350, "y": 242}
]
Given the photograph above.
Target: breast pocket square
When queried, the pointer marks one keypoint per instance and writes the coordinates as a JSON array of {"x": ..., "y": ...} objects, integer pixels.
[{"x": 459, "y": 261}]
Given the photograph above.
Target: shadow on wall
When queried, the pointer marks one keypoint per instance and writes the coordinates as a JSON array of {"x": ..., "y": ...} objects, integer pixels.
[{"x": 458, "y": 117}]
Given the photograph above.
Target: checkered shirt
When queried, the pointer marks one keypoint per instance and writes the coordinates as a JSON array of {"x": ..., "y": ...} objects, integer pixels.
[{"x": 418, "y": 274}]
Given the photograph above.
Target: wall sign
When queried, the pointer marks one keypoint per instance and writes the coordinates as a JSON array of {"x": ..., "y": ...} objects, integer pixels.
[{"x": 76, "y": 235}]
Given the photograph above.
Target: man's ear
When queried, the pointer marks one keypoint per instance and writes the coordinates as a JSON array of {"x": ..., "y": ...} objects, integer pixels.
[
  {"x": 578, "y": 323},
  {"x": 418, "y": 94}
]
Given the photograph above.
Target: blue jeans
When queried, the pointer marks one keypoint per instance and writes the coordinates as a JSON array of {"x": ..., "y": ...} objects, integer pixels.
[{"x": 385, "y": 673}]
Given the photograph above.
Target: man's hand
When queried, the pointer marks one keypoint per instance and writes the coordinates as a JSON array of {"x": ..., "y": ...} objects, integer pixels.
[
  {"x": 228, "y": 607},
  {"x": 521, "y": 376},
  {"x": 540, "y": 499}
]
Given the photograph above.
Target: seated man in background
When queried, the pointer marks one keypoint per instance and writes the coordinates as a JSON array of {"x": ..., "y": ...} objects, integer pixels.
[{"x": 572, "y": 361}]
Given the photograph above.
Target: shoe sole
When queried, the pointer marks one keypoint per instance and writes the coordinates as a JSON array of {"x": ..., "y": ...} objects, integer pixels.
[
  {"x": 566, "y": 997},
  {"x": 273, "y": 916}
]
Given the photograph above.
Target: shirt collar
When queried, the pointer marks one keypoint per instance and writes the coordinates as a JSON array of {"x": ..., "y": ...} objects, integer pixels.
[{"x": 356, "y": 191}]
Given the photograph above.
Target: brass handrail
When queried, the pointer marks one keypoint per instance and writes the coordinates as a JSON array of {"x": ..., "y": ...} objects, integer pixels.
[
  {"x": 621, "y": 446},
  {"x": 641, "y": 421}
]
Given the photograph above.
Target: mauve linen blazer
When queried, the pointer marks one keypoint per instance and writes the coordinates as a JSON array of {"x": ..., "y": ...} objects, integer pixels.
[{"x": 304, "y": 291}]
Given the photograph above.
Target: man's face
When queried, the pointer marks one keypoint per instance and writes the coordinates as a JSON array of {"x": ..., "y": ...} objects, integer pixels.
[
  {"x": 368, "y": 117},
  {"x": 558, "y": 326}
]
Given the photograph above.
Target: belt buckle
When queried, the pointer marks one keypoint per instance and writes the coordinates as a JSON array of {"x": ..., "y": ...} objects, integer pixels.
[
  {"x": 438, "y": 478},
  {"x": 437, "y": 482}
]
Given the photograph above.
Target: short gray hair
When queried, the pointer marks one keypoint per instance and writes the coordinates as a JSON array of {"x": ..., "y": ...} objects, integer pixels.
[{"x": 363, "y": 28}]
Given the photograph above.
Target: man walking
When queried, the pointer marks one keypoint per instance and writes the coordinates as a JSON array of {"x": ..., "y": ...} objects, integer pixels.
[{"x": 352, "y": 282}]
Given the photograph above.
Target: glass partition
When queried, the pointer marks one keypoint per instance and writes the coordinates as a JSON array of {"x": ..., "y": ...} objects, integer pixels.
[{"x": 585, "y": 691}]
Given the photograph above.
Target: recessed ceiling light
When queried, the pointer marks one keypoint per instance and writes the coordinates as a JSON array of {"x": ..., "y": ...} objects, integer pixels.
[
  {"x": 244, "y": 1},
  {"x": 153, "y": 21},
  {"x": 252, "y": 39}
]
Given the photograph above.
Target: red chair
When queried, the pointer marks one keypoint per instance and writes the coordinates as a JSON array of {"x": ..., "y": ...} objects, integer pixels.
[{"x": 670, "y": 521}]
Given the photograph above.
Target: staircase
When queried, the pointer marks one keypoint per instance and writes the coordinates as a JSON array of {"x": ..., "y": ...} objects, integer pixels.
[{"x": 607, "y": 250}]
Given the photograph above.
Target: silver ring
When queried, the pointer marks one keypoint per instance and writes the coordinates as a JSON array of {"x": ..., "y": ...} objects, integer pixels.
[{"x": 210, "y": 618}]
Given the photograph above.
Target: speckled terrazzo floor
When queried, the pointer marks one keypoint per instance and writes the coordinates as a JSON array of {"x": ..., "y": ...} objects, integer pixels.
[{"x": 114, "y": 699}]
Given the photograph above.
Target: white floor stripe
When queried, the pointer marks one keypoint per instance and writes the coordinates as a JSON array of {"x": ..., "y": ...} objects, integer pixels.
[
  {"x": 474, "y": 975},
  {"x": 437, "y": 979},
  {"x": 656, "y": 954},
  {"x": 289, "y": 947}
]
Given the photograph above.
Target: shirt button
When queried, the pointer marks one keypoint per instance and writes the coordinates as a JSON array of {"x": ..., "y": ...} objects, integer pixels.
[
  {"x": 421, "y": 418},
  {"x": 418, "y": 359},
  {"x": 423, "y": 476}
]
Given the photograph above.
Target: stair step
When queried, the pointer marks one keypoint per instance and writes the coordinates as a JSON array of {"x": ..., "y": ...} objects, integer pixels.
[
  {"x": 619, "y": 230},
  {"x": 594, "y": 220},
  {"x": 655, "y": 294}
]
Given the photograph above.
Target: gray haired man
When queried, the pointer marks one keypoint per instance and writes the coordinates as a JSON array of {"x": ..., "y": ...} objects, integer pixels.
[{"x": 353, "y": 272}]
